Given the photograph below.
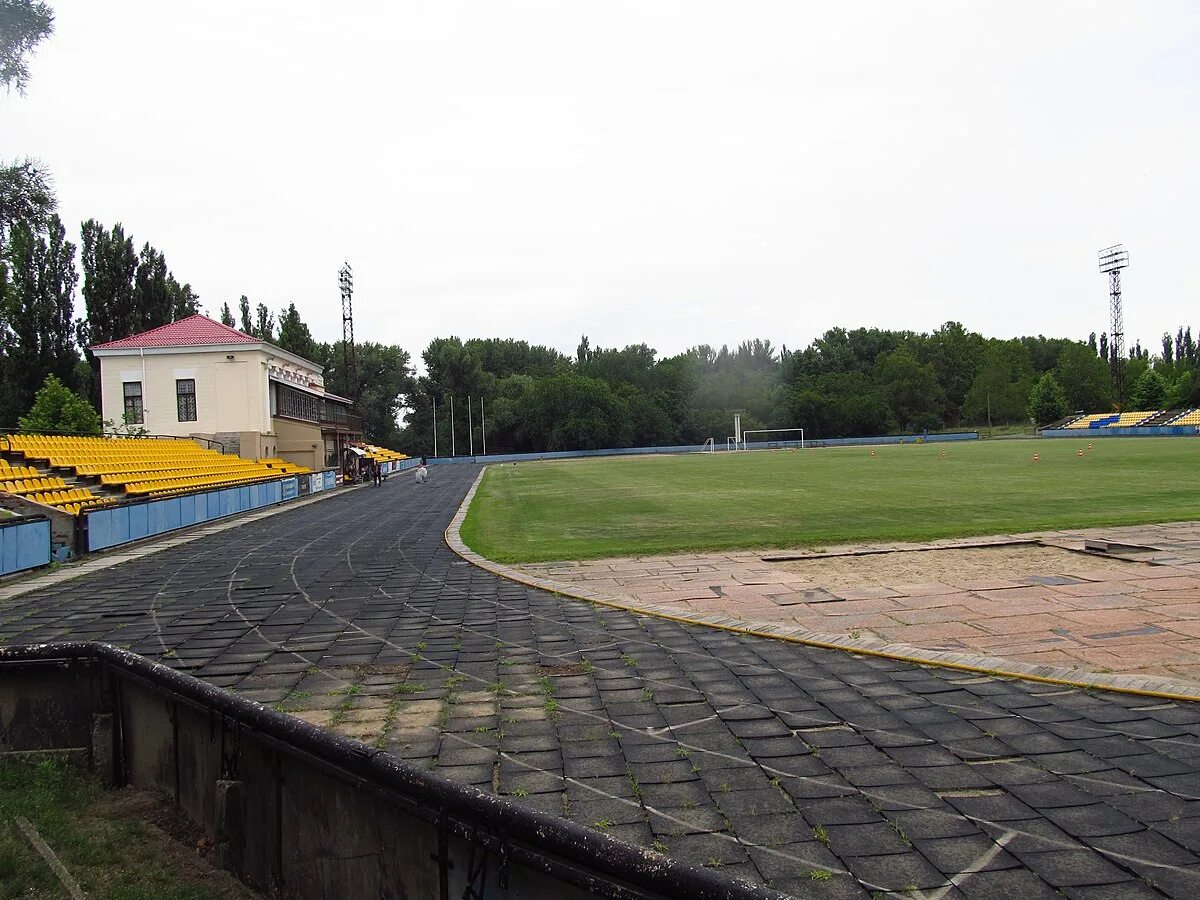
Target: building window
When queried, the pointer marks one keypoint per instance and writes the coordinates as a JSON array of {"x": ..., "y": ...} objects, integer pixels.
[
  {"x": 293, "y": 404},
  {"x": 133, "y": 402},
  {"x": 185, "y": 398}
]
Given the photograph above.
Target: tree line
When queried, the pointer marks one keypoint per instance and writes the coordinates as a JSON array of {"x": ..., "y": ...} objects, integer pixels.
[{"x": 846, "y": 383}]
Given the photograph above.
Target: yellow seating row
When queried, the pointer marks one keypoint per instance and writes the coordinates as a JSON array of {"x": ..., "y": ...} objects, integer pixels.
[
  {"x": 1191, "y": 417},
  {"x": 116, "y": 479},
  {"x": 93, "y": 470},
  {"x": 1119, "y": 420},
  {"x": 180, "y": 485},
  {"x": 29, "y": 485},
  {"x": 135, "y": 478},
  {"x": 283, "y": 466},
  {"x": 81, "y": 496},
  {"x": 15, "y": 473}
]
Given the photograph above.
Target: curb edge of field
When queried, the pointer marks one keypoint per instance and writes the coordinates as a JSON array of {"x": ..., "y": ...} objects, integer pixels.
[{"x": 1139, "y": 685}]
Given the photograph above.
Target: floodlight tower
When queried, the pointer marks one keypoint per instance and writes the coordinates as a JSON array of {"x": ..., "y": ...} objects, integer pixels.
[
  {"x": 1112, "y": 260},
  {"x": 349, "y": 361}
]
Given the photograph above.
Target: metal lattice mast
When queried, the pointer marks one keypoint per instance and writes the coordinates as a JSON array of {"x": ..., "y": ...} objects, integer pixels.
[
  {"x": 1112, "y": 260},
  {"x": 1116, "y": 340},
  {"x": 349, "y": 360}
]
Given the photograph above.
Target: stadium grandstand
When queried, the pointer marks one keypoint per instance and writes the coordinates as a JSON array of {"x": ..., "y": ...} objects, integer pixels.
[
  {"x": 1136, "y": 419},
  {"x": 225, "y": 409},
  {"x": 75, "y": 474}
]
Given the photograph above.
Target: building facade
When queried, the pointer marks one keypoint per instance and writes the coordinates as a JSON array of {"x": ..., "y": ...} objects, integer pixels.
[{"x": 200, "y": 379}]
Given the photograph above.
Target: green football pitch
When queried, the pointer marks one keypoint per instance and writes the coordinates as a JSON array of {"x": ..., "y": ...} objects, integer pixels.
[{"x": 589, "y": 508}]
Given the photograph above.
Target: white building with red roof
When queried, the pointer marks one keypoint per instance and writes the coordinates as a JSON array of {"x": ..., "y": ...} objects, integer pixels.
[{"x": 198, "y": 378}]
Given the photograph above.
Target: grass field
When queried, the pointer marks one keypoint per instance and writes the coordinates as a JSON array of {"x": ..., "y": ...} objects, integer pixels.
[{"x": 582, "y": 509}]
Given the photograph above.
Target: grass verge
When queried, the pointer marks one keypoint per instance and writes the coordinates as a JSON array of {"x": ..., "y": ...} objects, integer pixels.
[{"x": 112, "y": 842}]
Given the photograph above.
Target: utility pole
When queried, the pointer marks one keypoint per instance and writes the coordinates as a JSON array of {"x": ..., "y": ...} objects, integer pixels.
[
  {"x": 483, "y": 421},
  {"x": 453, "y": 452},
  {"x": 471, "y": 422},
  {"x": 434, "y": 399}
]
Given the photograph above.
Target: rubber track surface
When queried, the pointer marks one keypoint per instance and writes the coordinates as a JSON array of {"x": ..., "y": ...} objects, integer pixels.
[{"x": 824, "y": 774}]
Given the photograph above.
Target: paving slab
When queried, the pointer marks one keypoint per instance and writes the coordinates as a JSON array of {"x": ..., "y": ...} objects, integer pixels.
[
  {"x": 1132, "y": 614},
  {"x": 820, "y": 771}
]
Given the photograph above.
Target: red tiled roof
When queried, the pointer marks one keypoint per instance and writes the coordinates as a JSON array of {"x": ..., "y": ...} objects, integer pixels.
[{"x": 194, "y": 331}]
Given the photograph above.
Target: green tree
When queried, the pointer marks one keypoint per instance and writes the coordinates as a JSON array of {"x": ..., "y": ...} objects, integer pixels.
[
  {"x": 1001, "y": 387},
  {"x": 26, "y": 195},
  {"x": 109, "y": 266},
  {"x": 572, "y": 412},
  {"x": 909, "y": 389},
  {"x": 39, "y": 305},
  {"x": 23, "y": 25},
  {"x": 1085, "y": 380},
  {"x": 294, "y": 335},
  {"x": 245, "y": 324},
  {"x": 227, "y": 315},
  {"x": 1047, "y": 402},
  {"x": 57, "y": 408},
  {"x": 954, "y": 354},
  {"x": 385, "y": 379},
  {"x": 1149, "y": 391},
  {"x": 264, "y": 324}
]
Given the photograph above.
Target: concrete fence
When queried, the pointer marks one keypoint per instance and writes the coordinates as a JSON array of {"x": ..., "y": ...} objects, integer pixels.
[
  {"x": 299, "y": 812},
  {"x": 110, "y": 526},
  {"x": 1143, "y": 431},
  {"x": 24, "y": 543}
]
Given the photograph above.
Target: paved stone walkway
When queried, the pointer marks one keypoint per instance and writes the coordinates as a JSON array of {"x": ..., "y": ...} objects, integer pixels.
[
  {"x": 825, "y": 774},
  {"x": 1136, "y": 613}
]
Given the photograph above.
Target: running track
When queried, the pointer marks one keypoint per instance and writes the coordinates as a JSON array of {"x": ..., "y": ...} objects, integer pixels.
[{"x": 818, "y": 772}]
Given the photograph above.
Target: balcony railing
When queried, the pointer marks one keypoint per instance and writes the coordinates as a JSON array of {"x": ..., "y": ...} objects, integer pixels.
[{"x": 338, "y": 417}]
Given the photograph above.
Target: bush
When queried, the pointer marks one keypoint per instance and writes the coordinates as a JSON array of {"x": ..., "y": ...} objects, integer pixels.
[
  {"x": 57, "y": 408},
  {"x": 1047, "y": 401}
]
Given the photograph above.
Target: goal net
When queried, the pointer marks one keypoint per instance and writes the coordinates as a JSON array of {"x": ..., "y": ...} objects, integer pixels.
[{"x": 774, "y": 438}]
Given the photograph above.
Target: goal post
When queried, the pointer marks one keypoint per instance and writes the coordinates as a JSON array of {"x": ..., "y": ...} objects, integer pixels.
[
  {"x": 710, "y": 446},
  {"x": 798, "y": 440}
]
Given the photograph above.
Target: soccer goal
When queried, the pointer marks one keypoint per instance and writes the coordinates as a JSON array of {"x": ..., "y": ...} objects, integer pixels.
[
  {"x": 795, "y": 438},
  {"x": 710, "y": 446}
]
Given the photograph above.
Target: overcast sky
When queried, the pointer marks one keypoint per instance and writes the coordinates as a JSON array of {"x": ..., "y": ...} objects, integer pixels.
[{"x": 673, "y": 173}]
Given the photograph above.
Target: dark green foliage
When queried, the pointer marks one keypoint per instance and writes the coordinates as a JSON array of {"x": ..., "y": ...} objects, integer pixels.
[
  {"x": 23, "y": 25},
  {"x": 294, "y": 335},
  {"x": 56, "y": 408},
  {"x": 26, "y": 195},
  {"x": 245, "y": 325},
  {"x": 125, "y": 292},
  {"x": 1149, "y": 391},
  {"x": 1047, "y": 403},
  {"x": 384, "y": 380},
  {"x": 264, "y": 324},
  {"x": 1084, "y": 378},
  {"x": 846, "y": 383},
  {"x": 35, "y": 315},
  {"x": 227, "y": 316}
]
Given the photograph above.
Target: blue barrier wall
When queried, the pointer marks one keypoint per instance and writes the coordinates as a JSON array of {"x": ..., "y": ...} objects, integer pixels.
[
  {"x": 697, "y": 448},
  {"x": 24, "y": 543},
  {"x": 108, "y": 527},
  {"x": 1152, "y": 431}
]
